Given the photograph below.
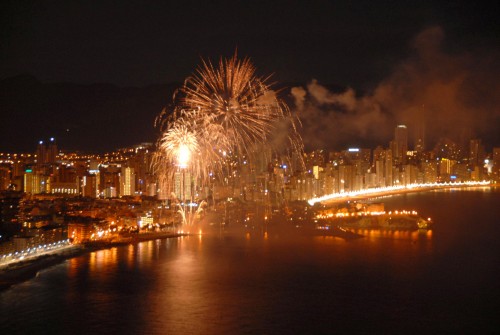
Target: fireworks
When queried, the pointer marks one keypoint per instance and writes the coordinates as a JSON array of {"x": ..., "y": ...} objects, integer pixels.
[
  {"x": 222, "y": 109},
  {"x": 179, "y": 143},
  {"x": 231, "y": 108},
  {"x": 187, "y": 144},
  {"x": 231, "y": 98}
]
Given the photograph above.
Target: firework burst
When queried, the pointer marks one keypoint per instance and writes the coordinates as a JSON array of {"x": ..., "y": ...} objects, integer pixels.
[
  {"x": 222, "y": 109},
  {"x": 179, "y": 143},
  {"x": 190, "y": 144},
  {"x": 234, "y": 108}
]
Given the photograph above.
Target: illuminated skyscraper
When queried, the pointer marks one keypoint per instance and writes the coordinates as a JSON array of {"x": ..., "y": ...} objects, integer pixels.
[
  {"x": 430, "y": 170},
  {"x": 388, "y": 168},
  {"x": 183, "y": 185},
  {"x": 127, "y": 181},
  {"x": 46, "y": 156},
  {"x": 34, "y": 183},
  {"x": 51, "y": 151},
  {"x": 359, "y": 158},
  {"x": 41, "y": 154},
  {"x": 476, "y": 153},
  {"x": 90, "y": 186},
  {"x": 445, "y": 168},
  {"x": 496, "y": 163},
  {"x": 401, "y": 143}
]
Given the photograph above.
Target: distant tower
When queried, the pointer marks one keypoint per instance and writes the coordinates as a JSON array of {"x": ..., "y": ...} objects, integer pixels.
[
  {"x": 52, "y": 151},
  {"x": 46, "y": 156},
  {"x": 41, "y": 154},
  {"x": 388, "y": 167},
  {"x": 496, "y": 163},
  {"x": 127, "y": 181},
  {"x": 420, "y": 137},
  {"x": 401, "y": 143},
  {"x": 476, "y": 153}
]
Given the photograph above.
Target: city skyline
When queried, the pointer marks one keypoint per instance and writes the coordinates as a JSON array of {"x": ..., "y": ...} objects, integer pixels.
[
  {"x": 130, "y": 172},
  {"x": 249, "y": 167}
]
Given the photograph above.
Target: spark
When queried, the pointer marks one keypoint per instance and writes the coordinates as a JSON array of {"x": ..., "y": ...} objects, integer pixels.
[
  {"x": 234, "y": 110},
  {"x": 222, "y": 112},
  {"x": 178, "y": 143}
]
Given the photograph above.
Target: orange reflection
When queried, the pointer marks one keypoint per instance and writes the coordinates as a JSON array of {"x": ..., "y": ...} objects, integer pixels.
[
  {"x": 73, "y": 266},
  {"x": 130, "y": 256},
  {"x": 411, "y": 235}
]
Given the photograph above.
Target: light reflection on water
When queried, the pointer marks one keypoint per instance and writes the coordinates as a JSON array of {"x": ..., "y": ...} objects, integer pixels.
[
  {"x": 265, "y": 281},
  {"x": 413, "y": 235}
]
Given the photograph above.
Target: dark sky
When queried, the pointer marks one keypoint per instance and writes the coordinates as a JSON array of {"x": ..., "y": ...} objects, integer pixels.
[{"x": 355, "y": 44}]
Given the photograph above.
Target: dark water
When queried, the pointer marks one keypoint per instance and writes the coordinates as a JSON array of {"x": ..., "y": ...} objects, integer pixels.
[{"x": 444, "y": 281}]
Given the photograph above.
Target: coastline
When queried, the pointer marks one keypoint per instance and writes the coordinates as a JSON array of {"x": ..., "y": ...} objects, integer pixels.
[
  {"x": 398, "y": 192},
  {"x": 24, "y": 270}
]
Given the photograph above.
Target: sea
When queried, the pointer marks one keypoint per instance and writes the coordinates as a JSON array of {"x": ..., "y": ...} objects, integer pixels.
[{"x": 259, "y": 281}]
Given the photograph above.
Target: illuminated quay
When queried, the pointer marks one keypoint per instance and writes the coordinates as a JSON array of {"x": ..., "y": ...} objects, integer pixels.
[{"x": 391, "y": 190}]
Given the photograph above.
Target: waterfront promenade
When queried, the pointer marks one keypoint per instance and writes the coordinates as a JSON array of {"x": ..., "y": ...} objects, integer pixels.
[
  {"x": 393, "y": 190},
  {"x": 19, "y": 266}
]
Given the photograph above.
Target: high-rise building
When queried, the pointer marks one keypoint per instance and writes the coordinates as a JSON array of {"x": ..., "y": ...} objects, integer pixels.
[
  {"x": 52, "y": 151},
  {"x": 41, "y": 154},
  {"x": 46, "y": 153},
  {"x": 109, "y": 177},
  {"x": 400, "y": 143},
  {"x": 429, "y": 170},
  {"x": 183, "y": 185},
  {"x": 359, "y": 158},
  {"x": 35, "y": 183},
  {"x": 410, "y": 174},
  {"x": 420, "y": 137},
  {"x": 141, "y": 163},
  {"x": 445, "y": 168},
  {"x": 90, "y": 186},
  {"x": 378, "y": 154},
  {"x": 4, "y": 178},
  {"x": 496, "y": 164},
  {"x": 346, "y": 179},
  {"x": 127, "y": 181},
  {"x": 388, "y": 168},
  {"x": 379, "y": 169},
  {"x": 476, "y": 153}
]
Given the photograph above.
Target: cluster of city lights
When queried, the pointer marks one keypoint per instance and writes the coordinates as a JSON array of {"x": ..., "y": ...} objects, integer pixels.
[
  {"x": 364, "y": 213},
  {"x": 34, "y": 251},
  {"x": 392, "y": 189}
]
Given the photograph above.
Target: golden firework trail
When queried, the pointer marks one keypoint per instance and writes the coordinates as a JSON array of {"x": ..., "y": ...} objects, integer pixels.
[{"x": 223, "y": 109}]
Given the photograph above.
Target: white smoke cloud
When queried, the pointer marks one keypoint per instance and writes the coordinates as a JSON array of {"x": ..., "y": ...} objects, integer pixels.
[
  {"x": 456, "y": 95},
  {"x": 268, "y": 98},
  {"x": 299, "y": 95},
  {"x": 346, "y": 99}
]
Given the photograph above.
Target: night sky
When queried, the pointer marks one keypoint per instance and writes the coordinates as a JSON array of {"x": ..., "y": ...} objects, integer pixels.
[{"x": 95, "y": 74}]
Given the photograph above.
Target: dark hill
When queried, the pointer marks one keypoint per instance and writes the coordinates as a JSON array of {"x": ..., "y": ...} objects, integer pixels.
[{"x": 96, "y": 117}]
